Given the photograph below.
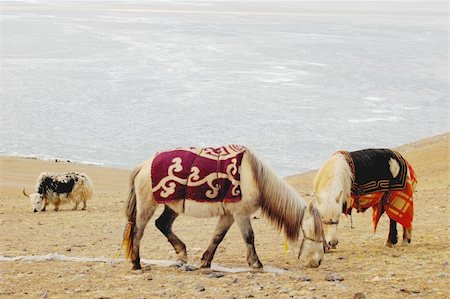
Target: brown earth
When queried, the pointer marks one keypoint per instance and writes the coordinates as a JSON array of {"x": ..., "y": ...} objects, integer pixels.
[{"x": 361, "y": 262}]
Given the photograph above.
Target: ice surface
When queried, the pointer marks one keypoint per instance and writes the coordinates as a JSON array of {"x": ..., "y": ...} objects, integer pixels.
[{"x": 112, "y": 82}]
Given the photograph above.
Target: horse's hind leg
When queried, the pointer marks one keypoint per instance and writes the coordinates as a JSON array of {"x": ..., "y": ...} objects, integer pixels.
[
  {"x": 392, "y": 238},
  {"x": 221, "y": 230},
  {"x": 406, "y": 236},
  {"x": 144, "y": 211},
  {"x": 164, "y": 224},
  {"x": 247, "y": 233}
]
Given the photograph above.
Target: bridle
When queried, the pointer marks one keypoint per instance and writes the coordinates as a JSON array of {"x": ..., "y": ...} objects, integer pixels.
[
  {"x": 311, "y": 239},
  {"x": 326, "y": 248}
]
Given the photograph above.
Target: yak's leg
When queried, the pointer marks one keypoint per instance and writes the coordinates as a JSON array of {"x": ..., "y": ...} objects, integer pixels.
[
  {"x": 164, "y": 224},
  {"x": 392, "y": 238},
  {"x": 75, "y": 207},
  {"x": 406, "y": 236},
  {"x": 245, "y": 225},
  {"x": 225, "y": 221},
  {"x": 84, "y": 204},
  {"x": 144, "y": 211},
  {"x": 56, "y": 203}
]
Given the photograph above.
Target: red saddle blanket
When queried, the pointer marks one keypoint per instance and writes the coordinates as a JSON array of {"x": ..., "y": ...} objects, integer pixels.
[{"x": 202, "y": 174}]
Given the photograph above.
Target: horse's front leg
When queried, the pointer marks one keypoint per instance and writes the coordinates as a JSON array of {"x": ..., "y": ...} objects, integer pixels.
[
  {"x": 245, "y": 226},
  {"x": 221, "y": 230},
  {"x": 392, "y": 238},
  {"x": 164, "y": 224}
]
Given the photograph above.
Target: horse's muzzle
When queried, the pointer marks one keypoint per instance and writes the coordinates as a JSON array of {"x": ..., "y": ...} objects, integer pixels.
[{"x": 333, "y": 244}]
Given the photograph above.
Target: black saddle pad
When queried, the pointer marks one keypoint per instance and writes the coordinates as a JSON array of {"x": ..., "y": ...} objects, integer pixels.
[{"x": 372, "y": 173}]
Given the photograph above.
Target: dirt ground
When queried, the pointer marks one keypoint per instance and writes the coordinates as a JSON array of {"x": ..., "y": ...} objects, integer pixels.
[{"x": 361, "y": 267}]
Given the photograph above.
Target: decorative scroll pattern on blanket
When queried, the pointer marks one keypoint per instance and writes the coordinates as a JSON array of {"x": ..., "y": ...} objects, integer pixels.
[{"x": 201, "y": 174}]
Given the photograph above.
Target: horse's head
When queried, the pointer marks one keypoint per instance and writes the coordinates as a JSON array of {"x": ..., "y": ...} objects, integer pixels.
[
  {"x": 332, "y": 187},
  {"x": 36, "y": 200},
  {"x": 330, "y": 209},
  {"x": 311, "y": 250}
]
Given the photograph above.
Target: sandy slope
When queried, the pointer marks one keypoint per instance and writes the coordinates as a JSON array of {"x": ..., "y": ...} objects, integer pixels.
[{"x": 366, "y": 266}]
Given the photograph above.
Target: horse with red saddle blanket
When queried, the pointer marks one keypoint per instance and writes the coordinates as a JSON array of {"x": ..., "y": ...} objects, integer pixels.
[
  {"x": 229, "y": 182},
  {"x": 377, "y": 178}
]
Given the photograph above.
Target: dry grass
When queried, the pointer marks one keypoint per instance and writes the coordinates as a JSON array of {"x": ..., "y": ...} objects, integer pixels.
[{"x": 366, "y": 266}]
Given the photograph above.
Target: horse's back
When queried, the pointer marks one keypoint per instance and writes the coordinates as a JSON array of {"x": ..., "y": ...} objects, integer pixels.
[{"x": 248, "y": 204}]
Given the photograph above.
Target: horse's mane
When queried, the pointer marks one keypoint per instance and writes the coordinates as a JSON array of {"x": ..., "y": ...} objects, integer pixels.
[
  {"x": 333, "y": 177},
  {"x": 279, "y": 202}
]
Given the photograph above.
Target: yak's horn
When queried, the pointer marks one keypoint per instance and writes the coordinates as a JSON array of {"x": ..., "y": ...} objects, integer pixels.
[{"x": 24, "y": 193}]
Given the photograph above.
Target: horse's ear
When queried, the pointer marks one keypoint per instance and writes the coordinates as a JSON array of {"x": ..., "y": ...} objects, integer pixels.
[{"x": 338, "y": 197}]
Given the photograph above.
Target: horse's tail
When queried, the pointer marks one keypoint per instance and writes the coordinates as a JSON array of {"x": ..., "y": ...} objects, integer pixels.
[
  {"x": 279, "y": 202},
  {"x": 130, "y": 211}
]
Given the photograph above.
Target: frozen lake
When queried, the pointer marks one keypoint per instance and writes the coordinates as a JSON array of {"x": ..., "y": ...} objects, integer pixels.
[{"x": 112, "y": 82}]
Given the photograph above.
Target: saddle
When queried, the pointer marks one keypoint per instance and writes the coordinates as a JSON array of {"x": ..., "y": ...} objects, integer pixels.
[
  {"x": 202, "y": 174},
  {"x": 371, "y": 171}
]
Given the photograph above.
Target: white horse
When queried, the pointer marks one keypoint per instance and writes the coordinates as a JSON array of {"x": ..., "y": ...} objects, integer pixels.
[
  {"x": 334, "y": 189},
  {"x": 260, "y": 188}
]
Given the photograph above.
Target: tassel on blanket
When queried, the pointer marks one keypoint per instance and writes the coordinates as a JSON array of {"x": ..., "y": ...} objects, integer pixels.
[{"x": 126, "y": 241}]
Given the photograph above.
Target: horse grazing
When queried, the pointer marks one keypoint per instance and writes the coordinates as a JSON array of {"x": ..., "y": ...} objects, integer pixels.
[
  {"x": 377, "y": 178},
  {"x": 229, "y": 182}
]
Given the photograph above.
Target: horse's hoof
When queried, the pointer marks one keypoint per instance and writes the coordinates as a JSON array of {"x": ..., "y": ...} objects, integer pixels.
[
  {"x": 406, "y": 242},
  {"x": 183, "y": 258},
  {"x": 389, "y": 245},
  {"x": 205, "y": 265},
  {"x": 136, "y": 267},
  {"x": 257, "y": 265}
]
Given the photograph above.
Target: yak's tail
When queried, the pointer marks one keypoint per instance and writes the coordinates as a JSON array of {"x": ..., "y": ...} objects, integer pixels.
[{"x": 130, "y": 211}]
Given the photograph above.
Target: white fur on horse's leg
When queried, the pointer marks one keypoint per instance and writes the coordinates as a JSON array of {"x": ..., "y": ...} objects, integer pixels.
[
  {"x": 389, "y": 244},
  {"x": 182, "y": 257},
  {"x": 406, "y": 237}
]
